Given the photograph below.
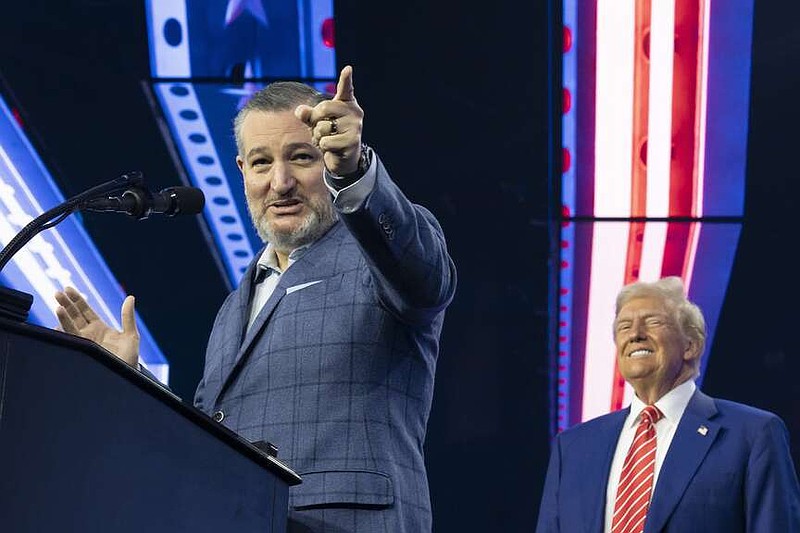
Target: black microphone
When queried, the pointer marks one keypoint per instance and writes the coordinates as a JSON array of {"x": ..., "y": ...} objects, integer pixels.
[{"x": 141, "y": 203}]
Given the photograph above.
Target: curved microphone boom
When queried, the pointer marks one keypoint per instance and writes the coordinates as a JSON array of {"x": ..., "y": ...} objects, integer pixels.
[{"x": 140, "y": 203}]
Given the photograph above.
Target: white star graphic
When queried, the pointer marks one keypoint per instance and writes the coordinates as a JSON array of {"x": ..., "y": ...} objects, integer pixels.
[{"x": 237, "y": 7}]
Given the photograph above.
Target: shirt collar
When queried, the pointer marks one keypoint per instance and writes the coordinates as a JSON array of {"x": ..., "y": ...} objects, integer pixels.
[
  {"x": 269, "y": 259},
  {"x": 672, "y": 404}
]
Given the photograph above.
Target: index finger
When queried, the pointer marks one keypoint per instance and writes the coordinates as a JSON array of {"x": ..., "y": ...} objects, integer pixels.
[
  {"x": 81, "y": 304},
  {"x": 344, "y": 89}
]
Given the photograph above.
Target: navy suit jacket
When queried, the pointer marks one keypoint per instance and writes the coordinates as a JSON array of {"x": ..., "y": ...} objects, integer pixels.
[
  {"x": 734, "y": 475},
  {"x": 338, "y": 367}
]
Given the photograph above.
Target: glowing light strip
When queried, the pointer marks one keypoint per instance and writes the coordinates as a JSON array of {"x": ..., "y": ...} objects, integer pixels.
[
  {"x": 301, "y": 32},
  {"x": 659, "y": 134},
  {"x": 220, "y": 209},
  {"x": 566, "y": 302},
  {"x": 613, "y": 146},
  {"x": 641, "y": 119},
  {"x": 168, "y": 60},
  {"x": 566, "y": 282},
  {"x": 691, "y": 253},
  {"x": 702, "y": 111},
  {"x": 700, "y": 135},
  {"x": 570, "y": 83},
  {"x": 614, "y": 108},
  {"x": 324, "y": 58},
  {"x": 607, "y": 275},
  {"x": 655, "y": 237}
]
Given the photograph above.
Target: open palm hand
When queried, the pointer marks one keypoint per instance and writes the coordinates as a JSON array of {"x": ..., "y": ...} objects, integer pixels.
[{"x": 77, "y": 317}]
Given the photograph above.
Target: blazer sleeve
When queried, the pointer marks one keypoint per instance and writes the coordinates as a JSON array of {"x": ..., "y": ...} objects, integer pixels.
[
  {"x": 405, "y": 250},
  {"x": 771, "y": 487},
  {"x": 548, "y": 509}
]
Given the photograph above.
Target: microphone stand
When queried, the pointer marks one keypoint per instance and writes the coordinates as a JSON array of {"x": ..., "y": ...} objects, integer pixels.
[{"x": 16, "y": 304}]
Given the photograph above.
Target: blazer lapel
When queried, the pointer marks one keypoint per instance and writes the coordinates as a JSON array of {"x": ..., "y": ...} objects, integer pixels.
[
  {"x": 593, "y": 490},
  {"x": 693, "y": 437},
  {"x": 237, "y": 317},
  {"x": 307, "y": 269}
]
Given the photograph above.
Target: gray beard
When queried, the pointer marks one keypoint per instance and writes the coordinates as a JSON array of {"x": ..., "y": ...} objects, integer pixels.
[{"x": 314, "y": 226}]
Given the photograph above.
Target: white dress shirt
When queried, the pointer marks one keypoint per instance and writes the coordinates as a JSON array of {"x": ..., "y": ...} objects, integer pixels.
[
  {"x": 672, "y": 405},
  {"x": 269, "y": 263}
]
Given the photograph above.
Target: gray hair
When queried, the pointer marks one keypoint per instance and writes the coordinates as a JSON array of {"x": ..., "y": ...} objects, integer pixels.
[
  {"x": 687, "y": 315},
  {"x": 277, "y": 96}
]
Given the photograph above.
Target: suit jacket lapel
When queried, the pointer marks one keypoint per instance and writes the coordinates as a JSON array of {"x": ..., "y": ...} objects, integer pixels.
[
  {"x": 238, "y": 317},
  {"x": 686, "y": 452},
  {"x": 593, "y": 491},
  {"x": 305, "y": 268}
]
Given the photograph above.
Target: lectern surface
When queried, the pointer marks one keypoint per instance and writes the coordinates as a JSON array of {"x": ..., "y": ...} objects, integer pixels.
[{"x": 88, "y": 444}]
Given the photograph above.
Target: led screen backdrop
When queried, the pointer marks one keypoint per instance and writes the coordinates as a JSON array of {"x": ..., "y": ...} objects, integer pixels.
[
  {"x": 655, "y": 105},
  {"x": 207, "y": 57}
]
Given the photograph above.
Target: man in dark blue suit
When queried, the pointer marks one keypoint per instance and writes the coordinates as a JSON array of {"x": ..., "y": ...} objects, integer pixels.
[
  {"x": 328, "y": 347},
  {"x": 676, "y": 460}
]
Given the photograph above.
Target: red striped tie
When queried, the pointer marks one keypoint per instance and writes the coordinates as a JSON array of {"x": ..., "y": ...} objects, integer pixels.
[{"x": 636, "y": 480}]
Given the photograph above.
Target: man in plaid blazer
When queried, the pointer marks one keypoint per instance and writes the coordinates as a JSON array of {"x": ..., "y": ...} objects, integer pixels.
[{"x": 328, "y": 347}]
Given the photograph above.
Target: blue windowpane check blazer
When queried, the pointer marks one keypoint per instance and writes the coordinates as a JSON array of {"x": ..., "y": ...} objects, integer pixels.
[{"x": 338, "y": 367}]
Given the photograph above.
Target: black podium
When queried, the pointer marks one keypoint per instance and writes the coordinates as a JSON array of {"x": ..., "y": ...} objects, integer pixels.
[{"x": 89, "y": 444}]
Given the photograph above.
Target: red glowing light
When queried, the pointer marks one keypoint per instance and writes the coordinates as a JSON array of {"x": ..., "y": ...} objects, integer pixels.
[
  {"x": 567, "y": 39},
  {"x": 565, "y": 214},
  {"x": 328, "y": 34},
  {"x": 566, "y": 100},
  {"x": 566, "y": 160}
]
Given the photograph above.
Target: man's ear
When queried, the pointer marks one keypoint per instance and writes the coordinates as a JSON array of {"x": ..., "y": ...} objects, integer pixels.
[
  {"x": 240, "y": 164},
  {"x": 692, "y": 350}
]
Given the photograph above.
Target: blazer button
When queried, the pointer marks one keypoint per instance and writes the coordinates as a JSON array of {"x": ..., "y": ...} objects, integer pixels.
[{"x": 219, "y": 416}]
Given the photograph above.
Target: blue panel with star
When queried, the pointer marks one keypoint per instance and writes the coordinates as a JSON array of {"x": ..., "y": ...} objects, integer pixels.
[
  {"x": 207, "y": 58},
  {"x": 241, "y": 39}
]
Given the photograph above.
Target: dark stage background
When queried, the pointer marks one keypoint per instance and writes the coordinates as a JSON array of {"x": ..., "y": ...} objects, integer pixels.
[{"x": 456, "y": 102}]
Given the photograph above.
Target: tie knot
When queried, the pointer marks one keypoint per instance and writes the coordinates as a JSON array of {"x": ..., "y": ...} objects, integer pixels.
[{"x": 651, "y": 413}]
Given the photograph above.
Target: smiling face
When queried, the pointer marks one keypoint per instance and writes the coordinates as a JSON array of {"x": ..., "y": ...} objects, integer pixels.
[
  {"x": 282, "y": 171},
  {"x": 653, "y": 354}
]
